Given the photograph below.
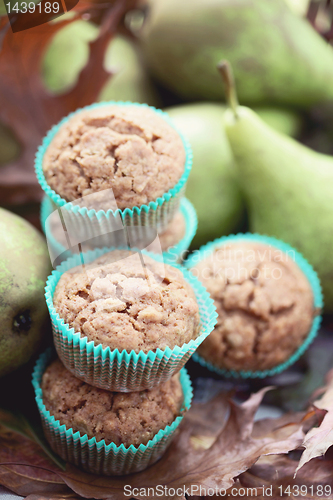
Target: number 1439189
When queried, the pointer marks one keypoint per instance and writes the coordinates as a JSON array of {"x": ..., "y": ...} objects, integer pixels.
[
  {"x": 24, "y": 7},
  {"x": 303, "y": 490}
]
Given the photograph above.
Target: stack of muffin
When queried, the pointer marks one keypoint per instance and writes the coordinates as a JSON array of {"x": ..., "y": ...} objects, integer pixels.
[{"x": 124, "y": 321}]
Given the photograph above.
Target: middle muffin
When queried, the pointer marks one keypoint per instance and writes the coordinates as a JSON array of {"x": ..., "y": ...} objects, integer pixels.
[
  {"x": 120, "y": 303},
  {"x": 126, "y": 321}
]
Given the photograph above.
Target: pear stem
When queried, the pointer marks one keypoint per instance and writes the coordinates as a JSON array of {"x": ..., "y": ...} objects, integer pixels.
[{"x": 226, "y": 72}]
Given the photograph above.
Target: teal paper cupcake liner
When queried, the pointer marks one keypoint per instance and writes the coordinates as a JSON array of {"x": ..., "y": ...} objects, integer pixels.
[
  {"x": 302, "y": 263},
  {"x": 97, "y": 457},
  {"x": 175, "y": 253},
  {"x": 123, "y": 371},
  {"x": 178, "y": 252},
  {"x": 46, "y": 208},
  {"x": 157, "y": 213}
]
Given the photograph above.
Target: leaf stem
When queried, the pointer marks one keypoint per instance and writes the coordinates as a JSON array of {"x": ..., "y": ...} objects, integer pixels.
[{"x": 226, "y": 72}]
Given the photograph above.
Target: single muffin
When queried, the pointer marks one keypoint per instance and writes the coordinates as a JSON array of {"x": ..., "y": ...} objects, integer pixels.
[
  {"x": 83, "y": 424},
  {"x": 264, "y": 302},
  {"x": 130, "y": 149},
  {"x": 118, "y": 302},
  {"x": 120, "y": 418}
]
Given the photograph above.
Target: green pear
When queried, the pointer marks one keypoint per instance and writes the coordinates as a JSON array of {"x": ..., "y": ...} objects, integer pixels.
[
  {"x": 24, "y": 267},
  {"x": 212, "y": 186},
  {"x": 300, "y": 7},
  {"x": 288, "y": 189},
  {"x": 68, "y": 53},
  {"x": 130, "y": 82},
  {"x": 283, "y": 120},
  {"x": 213, "y": 176},
  {"x": 278, "y": 58},
  {"x": 9, "y": 145}
]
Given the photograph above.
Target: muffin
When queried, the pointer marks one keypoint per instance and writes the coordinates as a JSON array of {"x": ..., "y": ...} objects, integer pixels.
[
  {"x": 120, "y": 418},
  {"x": 106, "y": 432},
  {"x": 126, "y": 321},
  {"x": 117, "y": 302},
  {"x": 264, "y": 301},
  {"x": 130, "y": 149}
]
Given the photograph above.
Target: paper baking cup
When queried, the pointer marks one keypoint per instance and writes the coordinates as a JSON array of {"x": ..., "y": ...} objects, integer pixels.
[
  {"x": 123, "y": 371},
  {"x": 157, "y": 213},
  {"x": 302, "y": 263},
  {"x": 98, "y": 457},
  {"x": 175, "y": 253},
  {"x": 46, "y": 208}
]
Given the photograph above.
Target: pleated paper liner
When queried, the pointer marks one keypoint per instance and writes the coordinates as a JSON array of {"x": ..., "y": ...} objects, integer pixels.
[
  {"x": 123, "y": 371},
  {"x": 178, "y": 252},
  {"x": 97, "y": 457},
  {"x": 175, "y": 253},
  {"x": 302, "y": 263},
  {"x": 157, "y": 213}
]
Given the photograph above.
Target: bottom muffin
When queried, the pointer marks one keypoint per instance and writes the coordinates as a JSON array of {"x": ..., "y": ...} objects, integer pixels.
[{"x": 107, "y": 432}]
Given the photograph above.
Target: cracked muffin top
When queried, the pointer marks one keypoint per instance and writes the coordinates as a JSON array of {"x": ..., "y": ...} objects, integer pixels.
[
  {"x": 130, "y": 149},
  {"x": 120, "y": 418},
  {"x": 120, "y": 303},
  {"x": 264, "y": 303}
]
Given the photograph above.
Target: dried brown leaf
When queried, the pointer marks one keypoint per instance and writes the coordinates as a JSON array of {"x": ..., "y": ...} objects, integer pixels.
[
  {"x": 233, "y": 451},
  {"x": 319, "y": 439},
  {"x": 275, "y": 474},
  {"x": 53, "y": 496},
  {"x": 228, "y": 442},
  {"x": 25, "y": 469},
  {"x": 26, "y": 106}
]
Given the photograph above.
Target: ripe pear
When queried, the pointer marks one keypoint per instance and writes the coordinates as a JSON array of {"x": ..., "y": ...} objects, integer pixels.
[
  {"x": 300, "y": 7},
  {"x": 9, "y": 145},
  {"x": 212, "y": 186},
  {"x": 278, "y": 58},
  {"x": 288, "y": 189},
  {"x": 213, "y": 176},
  {"x": 24, "y": 267},
  {"x": 286, "y": 121},
  {"x": 130, "y": 81},
  {"x": 68, "y": 53}
]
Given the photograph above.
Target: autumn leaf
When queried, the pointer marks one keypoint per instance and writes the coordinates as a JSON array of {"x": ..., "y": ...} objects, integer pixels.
[
  {"x": 296, "y": 385},
  {"x": 53, "y": 496},
  {"x": 18, "y": 423},
  {"x": 216, "y": 463},
  {"x": 25, "y": 469},
  {"x": 26, "y": 106},
  {"x": 217, "y": 442},
  {"x": 273, "y": 477},
  {"x": 319, "y": 439}
]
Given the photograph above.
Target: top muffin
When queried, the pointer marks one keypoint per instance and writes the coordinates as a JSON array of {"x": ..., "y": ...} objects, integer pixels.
[
  {"x": 130, "y": 149},
  {"x": 120, "y": 303}
]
